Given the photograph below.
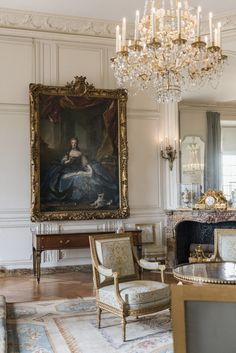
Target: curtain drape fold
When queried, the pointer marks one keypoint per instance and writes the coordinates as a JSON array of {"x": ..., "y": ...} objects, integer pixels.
[{"x": 212, "y": 170}]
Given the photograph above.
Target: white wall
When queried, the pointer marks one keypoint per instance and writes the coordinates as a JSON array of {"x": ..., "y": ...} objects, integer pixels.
[{"x": 38, "y": 54}]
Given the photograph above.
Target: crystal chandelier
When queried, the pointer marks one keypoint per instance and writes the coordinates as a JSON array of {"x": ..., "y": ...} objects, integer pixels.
[{"x": 168, "y": 53}]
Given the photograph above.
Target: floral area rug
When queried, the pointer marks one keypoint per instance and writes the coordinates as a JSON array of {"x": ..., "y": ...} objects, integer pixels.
[{"x": 69, "y": 326}]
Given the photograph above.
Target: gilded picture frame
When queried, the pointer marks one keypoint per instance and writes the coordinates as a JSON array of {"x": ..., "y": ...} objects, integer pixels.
[{"x": 78, "y": 152}]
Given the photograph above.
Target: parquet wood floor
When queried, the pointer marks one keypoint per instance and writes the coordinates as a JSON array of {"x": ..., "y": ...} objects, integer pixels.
[{"x": 54, "y": 286}]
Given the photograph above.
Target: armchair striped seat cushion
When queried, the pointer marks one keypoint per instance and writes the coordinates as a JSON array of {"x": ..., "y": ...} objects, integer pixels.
[{"x": 137, "y": 294}]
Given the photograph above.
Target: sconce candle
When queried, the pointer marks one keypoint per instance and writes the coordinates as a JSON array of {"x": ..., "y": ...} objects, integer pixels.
[{"x": 161, "y": 145}]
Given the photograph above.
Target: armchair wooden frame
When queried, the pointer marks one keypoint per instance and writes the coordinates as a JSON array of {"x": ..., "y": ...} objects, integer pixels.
[
  {"x": 220, "y": 232},
  {"x": 188, "y": 334},
  {"x": 113, "y": 278}
]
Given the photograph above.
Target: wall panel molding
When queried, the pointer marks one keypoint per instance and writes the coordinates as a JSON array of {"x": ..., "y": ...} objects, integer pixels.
[
  {"x": 14, "y": 218},
  {"x": 84, "y": 48},
  {"x": 147, "y": 211},
  {"x": 13, "y": 108},
  {"x": 143, "y": 114}
]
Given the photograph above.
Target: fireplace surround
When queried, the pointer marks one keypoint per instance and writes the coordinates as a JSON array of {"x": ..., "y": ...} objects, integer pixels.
[{"x": 185, "y": 226}]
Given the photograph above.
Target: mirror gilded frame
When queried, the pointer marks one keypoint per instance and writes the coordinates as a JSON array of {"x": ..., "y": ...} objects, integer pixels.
[{"x": 78, "y": 152}]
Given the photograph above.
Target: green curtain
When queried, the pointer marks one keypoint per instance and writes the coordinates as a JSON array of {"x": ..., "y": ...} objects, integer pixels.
[{"x": 212, "y": 175}]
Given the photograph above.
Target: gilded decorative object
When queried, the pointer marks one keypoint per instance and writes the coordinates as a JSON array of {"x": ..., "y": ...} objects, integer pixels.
[
  {"x": 170, "y": 154},
  {"x": 78, "y": 152},
  {"x": 212, "y": 199},
  {"x": 198, "y": 255}
]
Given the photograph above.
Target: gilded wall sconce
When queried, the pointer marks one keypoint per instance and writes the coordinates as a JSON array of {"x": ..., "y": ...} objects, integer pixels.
[{"x": 169, "y": 153}]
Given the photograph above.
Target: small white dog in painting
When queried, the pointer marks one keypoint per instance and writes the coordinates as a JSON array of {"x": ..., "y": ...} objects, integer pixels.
[{"x": 101, "y": 202}]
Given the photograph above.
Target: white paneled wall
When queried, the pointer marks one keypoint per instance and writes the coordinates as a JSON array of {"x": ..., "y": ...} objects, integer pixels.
[
  {"x": 143, "y": 160},
  {"x": 16, "y": 69},
  {"x": 88, "y": 59},
  {"x": 55, "y": 58},
  {"x": 14, "y": 156}
]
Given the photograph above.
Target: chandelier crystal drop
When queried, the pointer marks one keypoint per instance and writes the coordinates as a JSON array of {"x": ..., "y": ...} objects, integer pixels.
[{"x": 167, "y": 52}]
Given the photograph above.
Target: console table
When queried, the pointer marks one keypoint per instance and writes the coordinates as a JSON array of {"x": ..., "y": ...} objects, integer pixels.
[{"x": 75, "y": 239}]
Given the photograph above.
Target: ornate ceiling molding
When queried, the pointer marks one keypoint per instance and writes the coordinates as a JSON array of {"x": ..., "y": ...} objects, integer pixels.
[
  {"x": 35, "y": 21},
  {"x": 16, "y": 19},
  {"x": 228, "y": 22}
]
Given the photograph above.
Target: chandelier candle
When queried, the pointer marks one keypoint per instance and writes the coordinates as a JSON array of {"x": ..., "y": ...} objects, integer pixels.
[
  {"x": 210, "y": 27},
  {"x": 167, "y": 53},
  {"x": 136, "y": 31},
  {"x": 198, "y": 21},
  {"x": 117, "y": 38},
  {"x": 179, "y": 18},
  {"x": 153, "y": 22},
  {"x": 219, "y": 34},
  {"x": 124, "y": 34},
  {"x": 215, "y": 37}
]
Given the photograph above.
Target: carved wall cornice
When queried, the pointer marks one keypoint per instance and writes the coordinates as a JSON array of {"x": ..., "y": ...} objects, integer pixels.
[
  {"x": 16, "y": 19},
  {"x": 228, "y": 22}
]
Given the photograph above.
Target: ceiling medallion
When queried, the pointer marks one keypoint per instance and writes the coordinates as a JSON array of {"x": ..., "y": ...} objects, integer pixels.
[{"x": 168, "y": 53}]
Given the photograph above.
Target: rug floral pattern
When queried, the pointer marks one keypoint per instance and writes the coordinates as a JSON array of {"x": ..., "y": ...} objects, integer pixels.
[{"x": 69, "y": 326}]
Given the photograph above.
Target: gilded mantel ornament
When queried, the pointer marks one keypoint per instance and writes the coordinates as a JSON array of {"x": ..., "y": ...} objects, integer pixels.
[{"x": 212, "y": 199}]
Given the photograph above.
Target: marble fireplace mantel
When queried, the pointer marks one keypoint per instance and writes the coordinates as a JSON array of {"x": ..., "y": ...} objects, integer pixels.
[{"x": 175, "y": 217}]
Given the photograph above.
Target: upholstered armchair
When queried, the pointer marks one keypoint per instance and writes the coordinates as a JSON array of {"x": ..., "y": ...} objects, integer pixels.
[
  {"x": 224, "y": 245},
  {"x": 116, "y": 279}
]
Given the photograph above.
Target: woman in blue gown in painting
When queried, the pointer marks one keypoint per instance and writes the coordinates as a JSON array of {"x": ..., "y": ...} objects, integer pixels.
[{"x": 75, "y": 180}]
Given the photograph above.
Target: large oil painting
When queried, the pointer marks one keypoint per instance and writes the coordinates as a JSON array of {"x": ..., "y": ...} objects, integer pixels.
[{"x": 78, "y": 152}]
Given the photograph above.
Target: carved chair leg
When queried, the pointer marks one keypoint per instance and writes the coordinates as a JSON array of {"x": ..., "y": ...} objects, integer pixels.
[
  {"x": 99, "y": 312},
  {"x": 123, "y": 322}
]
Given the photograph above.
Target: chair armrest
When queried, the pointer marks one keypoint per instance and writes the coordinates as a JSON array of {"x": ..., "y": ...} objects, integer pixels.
[
  {"x": 109, "y": 273},
  {"x": 149, "y": 265},
  {"x": 105, "y": 271},
  {"x": 154, "y": 266},
  {"x": 117, "y": 290}
]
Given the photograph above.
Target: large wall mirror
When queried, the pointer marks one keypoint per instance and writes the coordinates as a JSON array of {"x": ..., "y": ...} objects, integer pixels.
[
  {"x": 217, "y": 161},
  {"x": 208, "y": 151},
  {"x": 192, "y": 169}
]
